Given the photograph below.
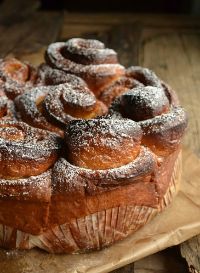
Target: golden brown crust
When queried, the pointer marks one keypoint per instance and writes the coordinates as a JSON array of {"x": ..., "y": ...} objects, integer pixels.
[
  {"x": 26, "y": 154},
  {"x": 117, "y": 88},
  {"x": 156, "y": 110},
  {"x": 26, "y": 151},
  {"x": 17, "y": 76},
  {"x": 135, "y": 76},
  {"x": 51, "y": 76},
  {"x": 88, "y": 59},
  {"x": 78, "y": 191},
  {"x": 163, "y": 134},
  {"x": 115, "y": 165},
  {"x": 65, "y": 103},
  {"x": 96, "y": 181},
  {"x": 144, "y": 75},
  {"x": 102, "y": 143},
  {"x": 95, "y": 230},
  {"x": 24, "y": 203},
  {"x": 52, "y": 107},
  {"x": 28, "y": 107},
  {"x": 142, "y": 103},
  {"x": 110, "y": 174}
]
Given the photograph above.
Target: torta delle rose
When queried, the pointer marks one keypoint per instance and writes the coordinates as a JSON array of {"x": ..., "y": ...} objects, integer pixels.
[{"x": 90, "y": 150}]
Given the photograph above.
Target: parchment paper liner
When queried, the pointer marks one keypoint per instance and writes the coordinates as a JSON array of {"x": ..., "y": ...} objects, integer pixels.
[
  {"x": 176, "y": 224},
  {"x": 94, "y": 231}
]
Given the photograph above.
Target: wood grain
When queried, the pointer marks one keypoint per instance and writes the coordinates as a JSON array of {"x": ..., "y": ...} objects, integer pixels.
[
  {"x": 161, "y": 262},
  {"x": 190, "y": 250},
  {"x": 25, "y": 29},
  {"x": 15, "y": 11},
  {"x": 150, "y": 20}
]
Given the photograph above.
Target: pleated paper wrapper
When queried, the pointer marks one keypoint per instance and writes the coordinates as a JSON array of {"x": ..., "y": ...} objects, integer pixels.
[{"x": 179, "y": 222}]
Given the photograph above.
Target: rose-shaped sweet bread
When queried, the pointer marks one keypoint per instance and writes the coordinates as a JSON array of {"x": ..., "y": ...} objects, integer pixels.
[
  {"x": 88, "y": 59},
  {"x": 103, "y": 173},
  {"x": 52, "y": 107},
  {"x": 94, "y": 205},
  {"x": 26, "y": 157},
  {"x": 156, "y": 110},
  {"x": 16, "y": 76},
  {"x": 135, "y": 76}
]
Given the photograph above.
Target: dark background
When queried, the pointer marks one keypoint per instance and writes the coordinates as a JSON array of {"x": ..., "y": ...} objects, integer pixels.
[{"x": 151, "y": 6}]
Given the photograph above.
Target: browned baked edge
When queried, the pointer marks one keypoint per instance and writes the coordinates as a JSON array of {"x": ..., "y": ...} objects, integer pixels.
[{"x": 93, "y": 231}]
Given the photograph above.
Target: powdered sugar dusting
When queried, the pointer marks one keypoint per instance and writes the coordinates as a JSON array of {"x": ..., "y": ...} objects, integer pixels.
[
  {"x": 17, "y": 76},
  {"x": 31, "y": 188},
  {"x": 65, "y": 95},
  {"x": 167, "y": 121},
  {"x": 3, "y": 106},
  {"x": 49, "y": 76},
  {"x": 90, "y": 51},
  {"x": 144, "y": 102},
  {"x": 57, "y": 59},
  {"x": 135, "y": 76},
  {"x": 43, "y": 106},
  {"x": 21, "y": 144},
  {"x": 108, "y": 132},
  {"x": 117, "y": 88},
  {"x": 163, "y": 129},
  {"x": 7, "y": 110},
  {"x": 32, "y": 138},
  {"x": 144, "y": 75},
  {"x": 76, "y": 177},
  {"x": 31, "y": 168},
  {"x": 28, "y": 111},
  {"x": 66, "y": 177}
]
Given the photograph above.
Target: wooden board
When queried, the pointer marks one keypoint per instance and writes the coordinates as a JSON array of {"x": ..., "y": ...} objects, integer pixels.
[
  {"x": 170, "y": 45},
  {"x": 190, "y": 250},
  {"x": 162, "y": 262}
]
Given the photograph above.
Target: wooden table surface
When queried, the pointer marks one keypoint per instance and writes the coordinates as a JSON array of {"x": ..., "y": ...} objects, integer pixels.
[{"x": 168, "y": 44}]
